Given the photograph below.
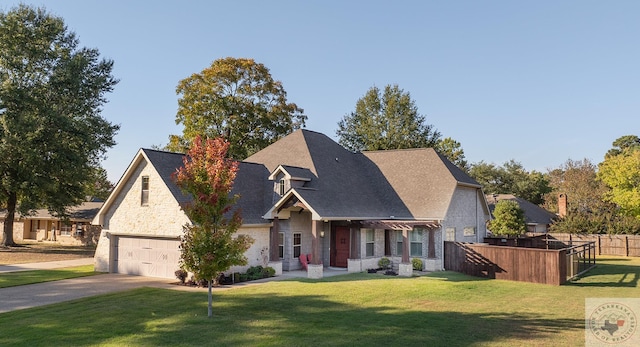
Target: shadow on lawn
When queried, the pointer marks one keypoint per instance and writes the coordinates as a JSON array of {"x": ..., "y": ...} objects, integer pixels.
[
  {"x": 313, "y": 320},
  {"x": 610, "y": 273},
  {"x": 157, "y": 317}
]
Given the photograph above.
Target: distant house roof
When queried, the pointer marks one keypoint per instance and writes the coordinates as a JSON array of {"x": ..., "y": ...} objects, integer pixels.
[
  {"x": 533, "y": 213},
  {"x": 83, "y": 212}
]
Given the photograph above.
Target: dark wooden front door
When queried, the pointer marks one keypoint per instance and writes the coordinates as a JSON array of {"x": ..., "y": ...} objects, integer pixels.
[{"x": 340, "y": 246}]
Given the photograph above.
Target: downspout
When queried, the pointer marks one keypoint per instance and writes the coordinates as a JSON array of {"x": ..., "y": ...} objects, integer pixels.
[{"x": 477, "y": 220}]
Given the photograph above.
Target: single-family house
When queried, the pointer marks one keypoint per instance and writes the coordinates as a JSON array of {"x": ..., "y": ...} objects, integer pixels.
[
  {"x": 304, "y": 197},
  {"x": 76, "y": 229},
  {"x": 536, "y": 218}
]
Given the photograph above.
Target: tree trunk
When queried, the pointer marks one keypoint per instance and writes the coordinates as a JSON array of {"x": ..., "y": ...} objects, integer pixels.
[
  {"x": 8, "y": 221},
  {"x": 210, "y": 307}
]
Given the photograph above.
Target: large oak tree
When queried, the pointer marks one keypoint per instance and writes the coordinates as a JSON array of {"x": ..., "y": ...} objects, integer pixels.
[
  {"x": 238, "y": 99},
  {"x": 51, "y": 129}
]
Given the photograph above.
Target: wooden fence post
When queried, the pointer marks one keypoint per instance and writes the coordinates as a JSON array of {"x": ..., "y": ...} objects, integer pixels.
[{"x": 626, "y": 245}]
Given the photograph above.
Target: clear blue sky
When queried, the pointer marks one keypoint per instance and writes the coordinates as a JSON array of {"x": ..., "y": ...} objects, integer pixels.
[{"x": 539, "y": 82}]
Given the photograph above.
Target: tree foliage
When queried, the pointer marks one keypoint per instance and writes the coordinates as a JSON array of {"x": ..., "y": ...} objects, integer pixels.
[
  {"x": 621, "y": 173},
  {"x": 384, "y": 120},
  {"x": 452, "y": 149},
  {"x": 208, "y": 246},
  {"x": 511, "y": 178},
  {"x": 238, "y": 99},
  {"x": 508, "y": 219},
  {"x": 98, "y": 187},
  {"x": 578, "y": 180},
  {"x": 621, "y": 144},
  {"x": 51, "y": 130}
]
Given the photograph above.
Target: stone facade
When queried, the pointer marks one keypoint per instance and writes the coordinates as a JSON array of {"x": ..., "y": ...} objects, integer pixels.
[{"x": 161, "y": 216}]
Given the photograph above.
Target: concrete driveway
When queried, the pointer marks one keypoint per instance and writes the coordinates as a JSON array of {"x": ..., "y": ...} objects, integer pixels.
[
  {"x": 32, "y": 295},
  {"x": 39, "y": 294}
]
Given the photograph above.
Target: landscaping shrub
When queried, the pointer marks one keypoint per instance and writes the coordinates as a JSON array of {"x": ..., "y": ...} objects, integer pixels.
[
  {"x": 254, "y": 272},
  {"x": 417, "y": 264},
  {"x": 384, "y": 263},
  {"x": 181, "y": 275},
  {"x": 268, "y": 272}
]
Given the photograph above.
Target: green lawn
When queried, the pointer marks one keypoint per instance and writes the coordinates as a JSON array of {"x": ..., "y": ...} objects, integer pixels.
[
  {"x": 351, "y": 310},
  {"x": 20, "y": 278}
]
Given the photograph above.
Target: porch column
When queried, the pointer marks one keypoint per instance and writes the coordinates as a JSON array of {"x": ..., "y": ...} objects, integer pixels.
[
  {"x": 405, "y": 268},
  {"x": 405, "y": 246},
  {"x": 431, "y": 248},
  {"x": 274, "y": 255},
  {"x": 315, "y": 268},
  {"x": 354, "y": 252},
  {"x": 315, "y": 242}
]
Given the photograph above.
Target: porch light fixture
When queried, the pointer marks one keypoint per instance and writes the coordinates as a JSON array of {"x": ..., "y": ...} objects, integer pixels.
[{"x": 322, "y": 233}]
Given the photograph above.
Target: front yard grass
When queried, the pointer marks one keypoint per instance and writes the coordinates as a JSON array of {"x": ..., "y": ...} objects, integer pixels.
[
  {"x": 20, "y": 278},
  {"x": 443, "y": 308}
]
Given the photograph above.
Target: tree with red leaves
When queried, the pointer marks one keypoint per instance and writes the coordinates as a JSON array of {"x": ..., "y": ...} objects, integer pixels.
[{"x": 208, "y": 246}]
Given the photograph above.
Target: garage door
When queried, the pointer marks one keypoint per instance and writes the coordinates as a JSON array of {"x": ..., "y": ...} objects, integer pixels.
[{"x": 146, "y": 256}]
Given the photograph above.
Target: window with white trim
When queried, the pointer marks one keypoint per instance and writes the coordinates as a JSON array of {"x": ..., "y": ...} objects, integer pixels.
[
  {"x": 297, "y": 244},
  {"x": 144, "y": 200},
  {"x": 370, "y": 242}
]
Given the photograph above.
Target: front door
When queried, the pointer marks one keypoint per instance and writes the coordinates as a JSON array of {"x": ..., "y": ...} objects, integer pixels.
[{"x": 340, "y": 246}]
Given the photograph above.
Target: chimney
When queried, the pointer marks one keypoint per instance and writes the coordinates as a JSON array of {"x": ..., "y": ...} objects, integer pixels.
[{"x": 562, "y": 205}]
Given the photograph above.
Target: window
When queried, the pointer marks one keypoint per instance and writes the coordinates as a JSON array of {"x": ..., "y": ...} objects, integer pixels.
[
  {"x": 145, "y": 191},
  {"x": 415, "y": 243},
  {"x": 450, "y": 234},
  {"x": 399, "y": 243},
  {"x": 415, "y": 239},
  {"x": 281, "y": 245},
  {"x": 370, "y": 242},
  {"x": 297, "y": 244},
  {"x": 281, "y": 187},
  {"x": 65, "y": 229},
  {"x": 469, "y": 231}
]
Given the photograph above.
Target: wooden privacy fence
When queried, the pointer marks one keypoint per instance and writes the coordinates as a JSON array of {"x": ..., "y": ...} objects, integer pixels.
[
  {"x": 547, "y": 266},
  {"x": 622, "y": 245}
]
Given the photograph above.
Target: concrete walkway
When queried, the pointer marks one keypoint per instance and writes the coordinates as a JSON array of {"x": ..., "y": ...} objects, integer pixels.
[{"x": 39, "y": 294}]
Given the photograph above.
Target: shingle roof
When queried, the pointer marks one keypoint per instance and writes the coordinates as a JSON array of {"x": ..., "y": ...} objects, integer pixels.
[
  {"x": 250, "y": 183},
  {"x": 400, "y": 184},
  {"x": 405, "y": 184},
  {"x": 83, "y": 212},
  {"x": 533, "y": 213}
]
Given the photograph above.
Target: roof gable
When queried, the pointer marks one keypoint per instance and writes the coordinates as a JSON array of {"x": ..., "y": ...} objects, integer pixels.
[
  {"x": 423, "y": 180},
  {"x": 250, "y": 184}
]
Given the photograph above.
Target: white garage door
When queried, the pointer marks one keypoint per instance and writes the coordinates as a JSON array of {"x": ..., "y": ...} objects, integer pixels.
[{"x": 146, "y": 256}]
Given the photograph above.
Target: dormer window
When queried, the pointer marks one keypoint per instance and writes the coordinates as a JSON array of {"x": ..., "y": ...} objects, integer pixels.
[{"x": 281, "y": 187}]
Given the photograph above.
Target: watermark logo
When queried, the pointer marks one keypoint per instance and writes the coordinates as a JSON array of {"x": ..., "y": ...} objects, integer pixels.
[{"x": 612, "y": 322}]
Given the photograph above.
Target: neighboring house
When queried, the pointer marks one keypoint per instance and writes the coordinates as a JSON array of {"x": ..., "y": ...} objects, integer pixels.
[
  {"x": 303, "y": 195},
  {"x": 42, "y": 226},
  {"x": 537, "y": 218}
]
